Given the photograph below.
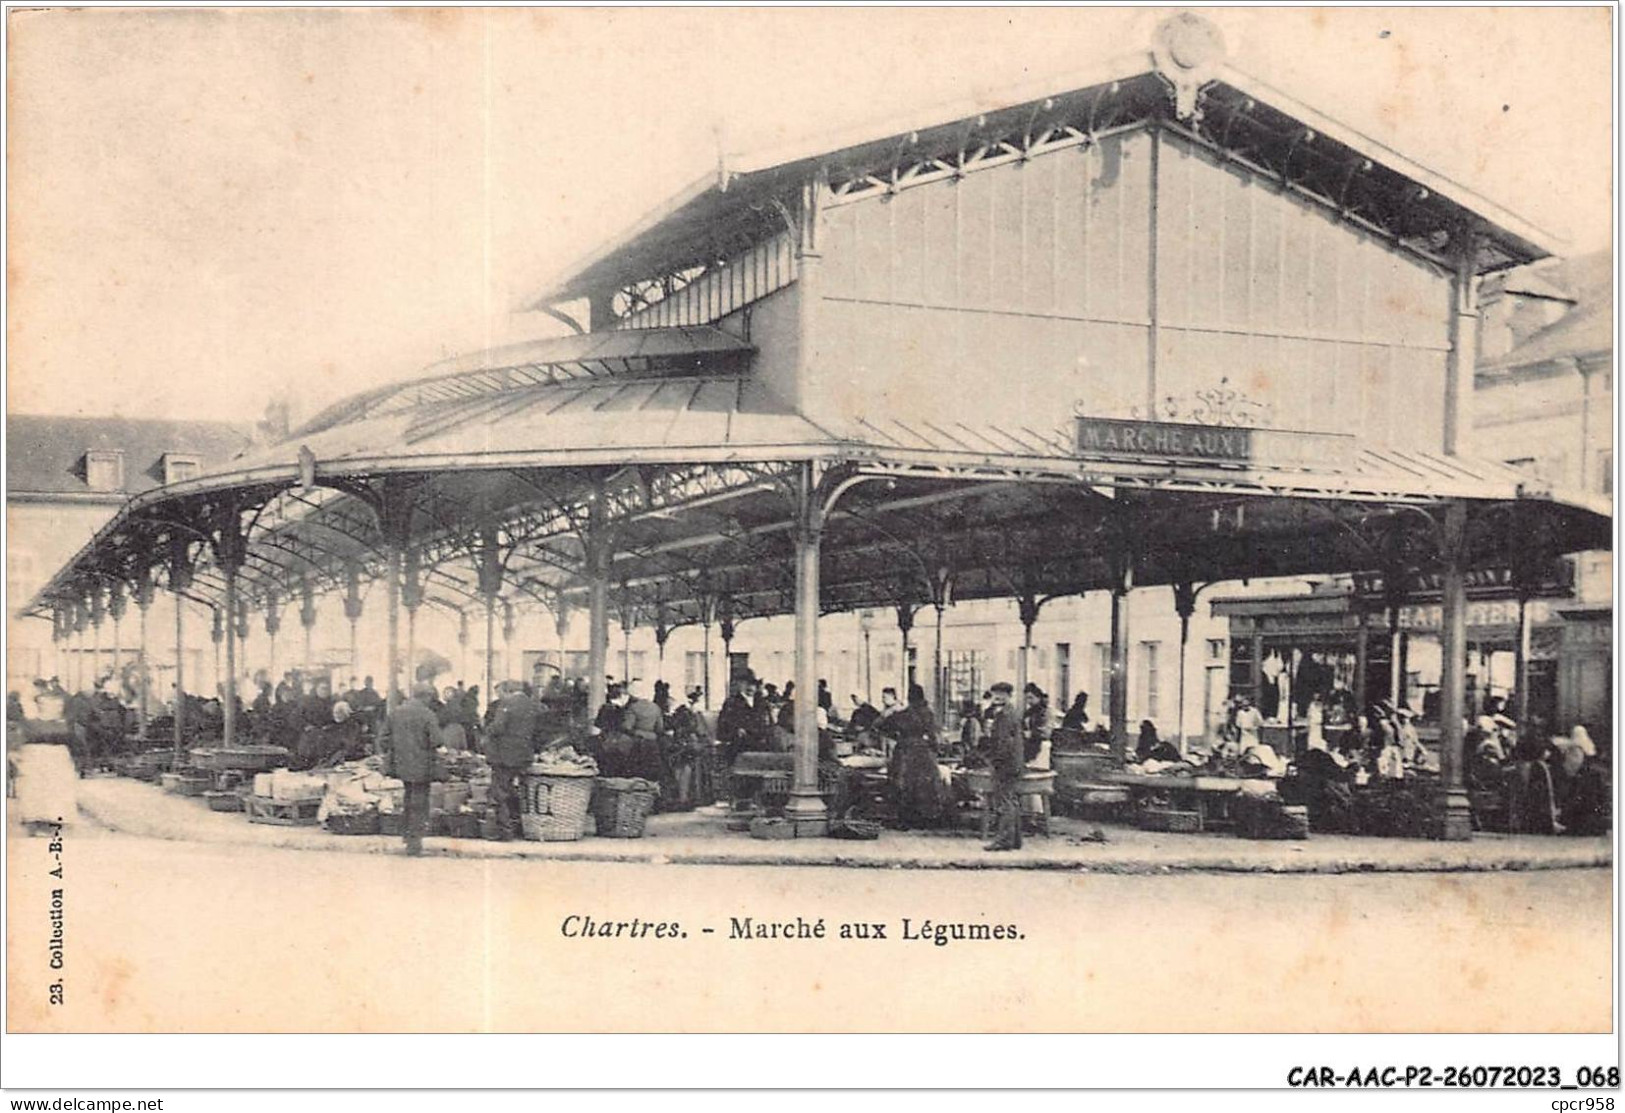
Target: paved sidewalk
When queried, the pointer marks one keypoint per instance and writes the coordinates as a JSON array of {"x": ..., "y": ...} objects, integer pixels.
[{"x": 143, "y": 809}]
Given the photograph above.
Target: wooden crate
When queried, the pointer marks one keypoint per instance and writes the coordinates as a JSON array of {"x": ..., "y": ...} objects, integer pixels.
[{"x": 282, "y": 813}]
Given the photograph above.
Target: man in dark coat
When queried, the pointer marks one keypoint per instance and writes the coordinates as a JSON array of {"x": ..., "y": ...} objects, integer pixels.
[
  {"x": 744, "y": 725},
  {"x": 1006, "y": 760},
  {"x": 642, "y": 721},
  {"x": 411, "y": 736},
  {"x": 510, "y": 743}
]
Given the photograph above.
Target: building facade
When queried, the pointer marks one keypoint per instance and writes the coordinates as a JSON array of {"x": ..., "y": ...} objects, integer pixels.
[{"x": 66, "y": 478}]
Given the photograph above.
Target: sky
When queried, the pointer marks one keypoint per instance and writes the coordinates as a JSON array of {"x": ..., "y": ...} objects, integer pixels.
[{"x": 208, "y": 208}]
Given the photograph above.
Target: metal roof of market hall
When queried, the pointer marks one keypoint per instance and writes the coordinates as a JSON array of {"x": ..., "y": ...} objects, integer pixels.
[
  {"x": 1249, "y": 121},
  {"x": 690, "y": 449}
]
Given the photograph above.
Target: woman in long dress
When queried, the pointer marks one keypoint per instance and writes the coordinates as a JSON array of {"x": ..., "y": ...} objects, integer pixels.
[{"x": 922, "y": 797}]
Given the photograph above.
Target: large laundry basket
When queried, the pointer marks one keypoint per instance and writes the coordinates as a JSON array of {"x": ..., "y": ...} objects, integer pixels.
[{"x": 553, "y": 808}]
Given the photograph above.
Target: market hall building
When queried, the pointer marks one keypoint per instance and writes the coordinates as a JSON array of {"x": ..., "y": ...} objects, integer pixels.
[{"x": 1166, "y": 326}]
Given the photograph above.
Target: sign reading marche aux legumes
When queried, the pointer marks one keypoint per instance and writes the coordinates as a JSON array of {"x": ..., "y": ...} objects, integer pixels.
[{"x": 1119, "y": 439}]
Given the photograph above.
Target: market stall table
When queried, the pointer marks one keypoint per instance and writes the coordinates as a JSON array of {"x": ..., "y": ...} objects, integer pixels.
[
  {"x": 1207, "y": 796},
  {"x": 1036, "y": 784}
]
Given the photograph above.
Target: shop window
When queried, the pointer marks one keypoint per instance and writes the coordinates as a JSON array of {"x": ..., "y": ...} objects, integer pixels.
[
  {"x": 104, "y": 470},
  {"x": 179, "y": 467}
]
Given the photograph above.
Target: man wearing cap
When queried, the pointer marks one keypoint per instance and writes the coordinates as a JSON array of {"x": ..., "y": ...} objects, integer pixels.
[
  {"x": 410, "y": 736},
  {"x": 509, "y": 747},
  {"x": 1005, "y": 755}
]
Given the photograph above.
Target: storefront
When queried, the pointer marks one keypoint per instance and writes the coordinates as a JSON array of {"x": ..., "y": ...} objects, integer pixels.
[{"x": 1287, "y": 649}]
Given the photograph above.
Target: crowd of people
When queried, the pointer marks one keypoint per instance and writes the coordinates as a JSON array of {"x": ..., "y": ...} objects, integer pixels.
[
  {"x": 1540, "y": 784},
  {"x": 904, "y": 733}
]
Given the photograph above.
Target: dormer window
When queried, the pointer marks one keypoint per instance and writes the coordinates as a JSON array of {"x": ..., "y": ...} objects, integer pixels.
[
  {"x": 179, "y": 467},
  {"x": 104, "y": 469}
]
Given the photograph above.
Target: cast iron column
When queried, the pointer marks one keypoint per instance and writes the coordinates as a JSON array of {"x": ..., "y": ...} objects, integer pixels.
[
  {"x": 1185, "y": 607},
  {"x": 462, "y": 646},
  {"x": 905, "y": 623},
  {"x": 307, "y": 617},
  {"x": 1118, "y": 703},
  {"x": 510, "y": 630},
  {"x": 1027, "y": 608},
  {"x": 726, "y": 627},
  {"x": 1521, "y": 662},
  {"x": 116, "y": 604},
  {"x": 490, "y": 648},
  {"x": 273, "y": 626},
  {"x": 180, "y": 678},
  {"x": 180, "y": 578},
  {"x": 705, "y": 646},
  {"x": 1361, "y": 652},
  {"x": 1452, "y": 682},
  {"x": 352, "y": 611},
  {"x": 98, "y": 613},
  {"x": 806, "y": 808},
  {"x": 561, "y": 627},
  {"x": 242, "y": 640},
  {"x": 143, "y": 602},
  {"x": 217, "y": 635},
  {"x": 228, "y": 693},
  {"x": 411, "y": 599},
  {"x": 598, "y": 554}
]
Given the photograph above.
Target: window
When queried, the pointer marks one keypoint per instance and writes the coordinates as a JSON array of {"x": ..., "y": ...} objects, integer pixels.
[
  {"x": 1149, "y": 677},
  {"x": 179, "y": 467},
  {"x": 1215, "y": 649},
  {"x": 1605, "y": 471},
  {"x": 21, "y": 577},
  {"x": 1103, "y": 669},
  {"x": 693, "y": 671},
  {"x": 575, "y": 664},
  {"x": 1063, "y": 673},
  {"x": 104, "y": 470}
]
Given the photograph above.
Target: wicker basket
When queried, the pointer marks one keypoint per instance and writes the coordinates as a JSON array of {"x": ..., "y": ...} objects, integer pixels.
[
  {"x": 463, "y": 825},
  {"x": 554, "y": 808},
  {"x": 858, "y": 829},
  {"x": 1170, "y": 819},
  {"x": 147, "y": 766},
  {"x": 621, "y": 806},
  {"x": 186, "y": 784},
  {"x": 224, "y": 801},
  {"x": 362, "y": 823}
]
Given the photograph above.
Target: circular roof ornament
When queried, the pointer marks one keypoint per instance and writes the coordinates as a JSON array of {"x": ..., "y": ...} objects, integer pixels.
[{"x": 1188, "y": 51}]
